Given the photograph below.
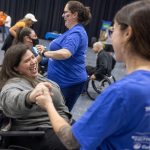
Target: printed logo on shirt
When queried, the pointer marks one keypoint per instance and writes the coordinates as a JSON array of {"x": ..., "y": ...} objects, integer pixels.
[
  {"x": 147, "y": 110},
  {"x": 141, "y": 141}
]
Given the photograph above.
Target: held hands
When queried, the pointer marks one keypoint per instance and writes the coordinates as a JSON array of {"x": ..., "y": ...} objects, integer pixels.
[
  {"x": 44, "y": 100},
  {"x": 39, "y": 90},
  {"x": 41, "y": 49}
]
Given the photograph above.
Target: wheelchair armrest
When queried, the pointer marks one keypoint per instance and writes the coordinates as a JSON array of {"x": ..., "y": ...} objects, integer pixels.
[{"x": 21, "y": 133}]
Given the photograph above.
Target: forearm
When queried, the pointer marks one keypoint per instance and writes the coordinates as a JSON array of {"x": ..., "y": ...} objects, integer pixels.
[
  {"x": 13, "y": 103},
  {"x": 59, "y": 54},
  {"x": 39, "y": 58},
  {"x": 62, "y": 128},
  {"x": 12, "y": 32}
]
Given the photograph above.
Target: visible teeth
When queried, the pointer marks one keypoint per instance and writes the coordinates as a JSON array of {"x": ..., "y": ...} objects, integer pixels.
[{"x": 34, "y": 68}]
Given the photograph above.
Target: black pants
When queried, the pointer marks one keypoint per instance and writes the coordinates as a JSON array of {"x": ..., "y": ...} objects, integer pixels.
[
  {"x": 72, "y": 93},
  {"x": 49, "y": 141},
  {"x": 90, "y": 70}
]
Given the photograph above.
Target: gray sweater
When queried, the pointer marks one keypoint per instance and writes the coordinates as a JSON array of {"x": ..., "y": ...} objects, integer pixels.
[{"x": 12, "y": 101}]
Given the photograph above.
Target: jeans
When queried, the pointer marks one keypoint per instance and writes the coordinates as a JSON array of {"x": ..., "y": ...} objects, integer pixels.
[
  {"x": 2, "y": 29},
  {"x": 71, "y": 94},
  {"x": 6, "y": 31}
]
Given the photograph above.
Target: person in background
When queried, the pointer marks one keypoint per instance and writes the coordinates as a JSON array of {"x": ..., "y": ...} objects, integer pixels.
[
  {"x": 2, "y": 24},
  {"x": 28, "y": 20},
  {"x": 67, "y": 66},
  {"x": 7, "y": 24},
  {"x": 19, "y": 84},
  {"x": 119, "y": 118},
  {"x": 104, "y": 63},
  {"x": 29, "y": 37}
]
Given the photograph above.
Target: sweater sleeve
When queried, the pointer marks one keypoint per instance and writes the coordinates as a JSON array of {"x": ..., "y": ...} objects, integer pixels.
[{"x": 12, "y": 100}]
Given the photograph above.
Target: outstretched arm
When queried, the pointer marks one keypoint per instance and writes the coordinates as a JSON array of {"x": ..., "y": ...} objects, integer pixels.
[
  {"x": 12, "y": 31},
  {"x": 60, "y": 126},
  {"x": 59, "y": 54}
]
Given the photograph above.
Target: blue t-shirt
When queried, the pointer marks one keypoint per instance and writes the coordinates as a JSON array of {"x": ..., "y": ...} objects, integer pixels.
[
  {"x": 70, "y": 71},
  {"x": 119, "y": 119}
]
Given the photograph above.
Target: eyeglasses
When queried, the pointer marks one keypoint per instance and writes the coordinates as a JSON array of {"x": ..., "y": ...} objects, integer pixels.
[
  {"x": 66, "y": 12},
  {"x": 110, "y": 30}
]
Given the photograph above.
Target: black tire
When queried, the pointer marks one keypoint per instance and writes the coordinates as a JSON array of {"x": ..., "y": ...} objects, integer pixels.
[
  {"x": 99, "y": 86},
  {"x": 92, "y": 94},
  {"x": 96, "y": 87}
]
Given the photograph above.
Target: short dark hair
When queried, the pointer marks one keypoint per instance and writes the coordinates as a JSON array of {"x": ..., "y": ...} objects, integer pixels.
[
  {"x": 84, "y": 14},
  {"x": 137, "y": 16}
]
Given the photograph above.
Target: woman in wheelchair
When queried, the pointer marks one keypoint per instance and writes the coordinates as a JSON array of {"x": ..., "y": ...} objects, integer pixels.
[{"x": 19, "y": 85}]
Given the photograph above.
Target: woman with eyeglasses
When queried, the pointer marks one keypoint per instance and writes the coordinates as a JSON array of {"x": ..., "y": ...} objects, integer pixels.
[
  {"x": 119, "y": 118},
  {"x": 67, "y": 52}
]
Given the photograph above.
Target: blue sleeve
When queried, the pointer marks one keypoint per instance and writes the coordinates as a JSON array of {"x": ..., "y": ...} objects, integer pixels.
[
  {"x": 44, "y": 60},
  {"x": 105, "y": 116},
  {"x": 72, "y": 42},
  {"x": 35, "y": 51}
]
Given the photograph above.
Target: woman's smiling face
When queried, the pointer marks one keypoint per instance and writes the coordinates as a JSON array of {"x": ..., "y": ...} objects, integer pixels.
[
  {"x": 28, "y": 65},
  {"x": 69, "y": 17}
]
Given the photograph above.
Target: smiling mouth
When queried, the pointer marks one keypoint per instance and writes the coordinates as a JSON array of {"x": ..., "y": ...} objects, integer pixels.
[{"x": 33, "y": 68}]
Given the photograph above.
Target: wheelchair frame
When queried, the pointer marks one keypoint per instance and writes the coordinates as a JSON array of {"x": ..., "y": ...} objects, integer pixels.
[
  {"x": 5, "y": 134},
  {"x": 99, "y": 85}
]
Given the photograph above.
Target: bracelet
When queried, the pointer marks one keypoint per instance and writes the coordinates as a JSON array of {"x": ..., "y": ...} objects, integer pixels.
[{"x": 43, "y": 53}]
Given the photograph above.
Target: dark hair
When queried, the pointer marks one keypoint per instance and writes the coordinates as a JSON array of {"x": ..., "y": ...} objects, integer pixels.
[
  {"x": 137, "y": 16},
  {"x": 84, "y": 15},
  {"x": 11, "y": 60},
  {"x": 26, "y": 31}
]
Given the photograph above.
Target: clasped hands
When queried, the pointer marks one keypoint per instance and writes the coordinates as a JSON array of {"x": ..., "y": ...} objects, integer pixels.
[
  {"x": 41, "y": 95},
  {"x": 41, "y": 49}
]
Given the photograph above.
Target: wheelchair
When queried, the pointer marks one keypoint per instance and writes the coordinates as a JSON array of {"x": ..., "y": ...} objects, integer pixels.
[
  {"x": 95, "y": 87},
  {"x": 6, "y": 134}
]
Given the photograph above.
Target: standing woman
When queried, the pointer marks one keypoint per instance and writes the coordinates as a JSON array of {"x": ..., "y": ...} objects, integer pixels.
[
  {"x": 28, "y": 20},
  {"x": 67, "y": 66},
  {"x": 119, "y": 118}
]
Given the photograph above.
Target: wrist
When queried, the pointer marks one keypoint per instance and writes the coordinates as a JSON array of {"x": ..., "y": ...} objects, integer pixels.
[
  {"x": 28, "y": 103},
  {"x": 43, "y": 53}
]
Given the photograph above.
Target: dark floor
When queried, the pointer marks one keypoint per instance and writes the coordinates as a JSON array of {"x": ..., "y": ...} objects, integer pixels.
[{"x": 84, "y": 101}]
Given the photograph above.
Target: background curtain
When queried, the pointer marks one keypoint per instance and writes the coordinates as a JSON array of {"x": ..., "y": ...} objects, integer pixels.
[{"x": 49, "y": 13}]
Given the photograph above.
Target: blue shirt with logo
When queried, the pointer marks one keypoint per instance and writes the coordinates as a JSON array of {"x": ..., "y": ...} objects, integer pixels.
[
  {"x": 119, "y": 118},
  {"x": 70, "y": 71}
]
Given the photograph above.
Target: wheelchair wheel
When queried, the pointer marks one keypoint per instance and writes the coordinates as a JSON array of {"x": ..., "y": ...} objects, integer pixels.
[
  {"x": 95, "y": 87},
  {"x": 99, "y": 86},
  {"x": 92, "y": 94}
]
